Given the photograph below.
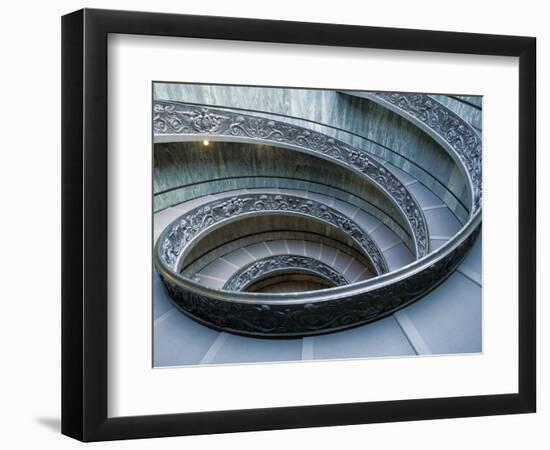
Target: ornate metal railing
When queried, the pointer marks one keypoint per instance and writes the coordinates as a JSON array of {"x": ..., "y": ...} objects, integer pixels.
[
  {"x": 452, "y": 132},
  {"x": 326, "y": 310},
  {"x": 321, "y": 311},
  {"x": 271, "y": 265},
  {"x": 172, "y": 121},
  {"x": 174, "y": 242}
]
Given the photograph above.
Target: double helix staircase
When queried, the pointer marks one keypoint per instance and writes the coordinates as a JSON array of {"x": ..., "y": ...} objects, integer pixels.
[{"x": 304, "y": 241}]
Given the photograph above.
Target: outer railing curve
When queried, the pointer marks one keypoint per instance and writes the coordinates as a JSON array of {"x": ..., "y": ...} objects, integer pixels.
[
  {"x": 327, "y": 310},
  {"x": 453, "y": 133}
]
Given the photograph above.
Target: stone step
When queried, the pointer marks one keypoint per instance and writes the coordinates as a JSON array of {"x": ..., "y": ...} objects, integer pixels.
[
  {"x": 381, "y": 338},
  {"x": 219, "y": 271}
]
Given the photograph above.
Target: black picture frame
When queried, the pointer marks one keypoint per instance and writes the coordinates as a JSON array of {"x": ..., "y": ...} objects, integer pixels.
[{"x": 84, "y": 224}]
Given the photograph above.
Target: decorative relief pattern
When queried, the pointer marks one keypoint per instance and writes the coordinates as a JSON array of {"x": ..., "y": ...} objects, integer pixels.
[
  {"x": 178, "y": 118},
  {"x": 300, "y": 319},
  {"x": 179, "y": 233},
  {"x": 460, "y": 136},
  {"x": 258, "y": 269},
  {"x": 307, "y": 318}
]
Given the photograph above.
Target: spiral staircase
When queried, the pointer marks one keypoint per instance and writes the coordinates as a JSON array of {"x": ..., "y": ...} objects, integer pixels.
[{"x": 300, "y": 224}]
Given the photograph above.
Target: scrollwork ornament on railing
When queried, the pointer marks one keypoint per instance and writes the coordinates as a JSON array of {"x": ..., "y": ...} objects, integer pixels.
[
  {"x": 451, "y": 128},
  {"x": 309, "y": 318},
  {"x": 179, "y": 118},
  {"x": 285, "y": 315},
  {"x": 180, "y": 232},
  {"x": 244, "y": 277}
]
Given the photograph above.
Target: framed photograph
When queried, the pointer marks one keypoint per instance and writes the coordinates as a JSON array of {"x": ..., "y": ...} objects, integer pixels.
[{"x": 273, "y": 224}]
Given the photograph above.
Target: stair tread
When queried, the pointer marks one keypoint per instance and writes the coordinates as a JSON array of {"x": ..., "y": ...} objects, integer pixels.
[
  {"x": 436, "y": 243},
  {"x": 442, "y": 222},
  {"x": 365, "y": 220},
  {"x": 223, "y": 268},
  {"x": 278, "y": 246},
  {"x": 218, "y": 269},
  {"x": 403, "y": 176},
  {"x": 384, "y": 237},
  {"x": 241, "y": 349},
  {"x": 423, "y": 195},
  {"x": 258, "y": 250},
  {"x": 398, "y": 256},
  {"x": 354, "y": 271},
  {"x": 380, "y": 338},
  {"x": 238, "y": 257},
  {"x": 449, "y": 317},
  {"x": 312, "y": 249},
  {"x": 180, "y": 341}
]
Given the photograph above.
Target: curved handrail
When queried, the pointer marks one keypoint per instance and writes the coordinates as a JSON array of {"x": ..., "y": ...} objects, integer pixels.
[
  {"x": 174, "y": 119},
  {"x": 359, "y": 201},
  {"x": 326, "y": 310},
  {"x": 175, "y": 240},
  {"x": 414, "y": 268},
  {"x": 269, "y": 265},
  {"x": 454, "y": 134},
  {"x": 321, "y": 311}
]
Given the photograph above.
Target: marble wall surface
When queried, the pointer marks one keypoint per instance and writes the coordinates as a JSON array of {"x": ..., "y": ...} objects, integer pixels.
[
  {"x": 379, "y": 131},
  {"x": 183, "y": 171}
]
